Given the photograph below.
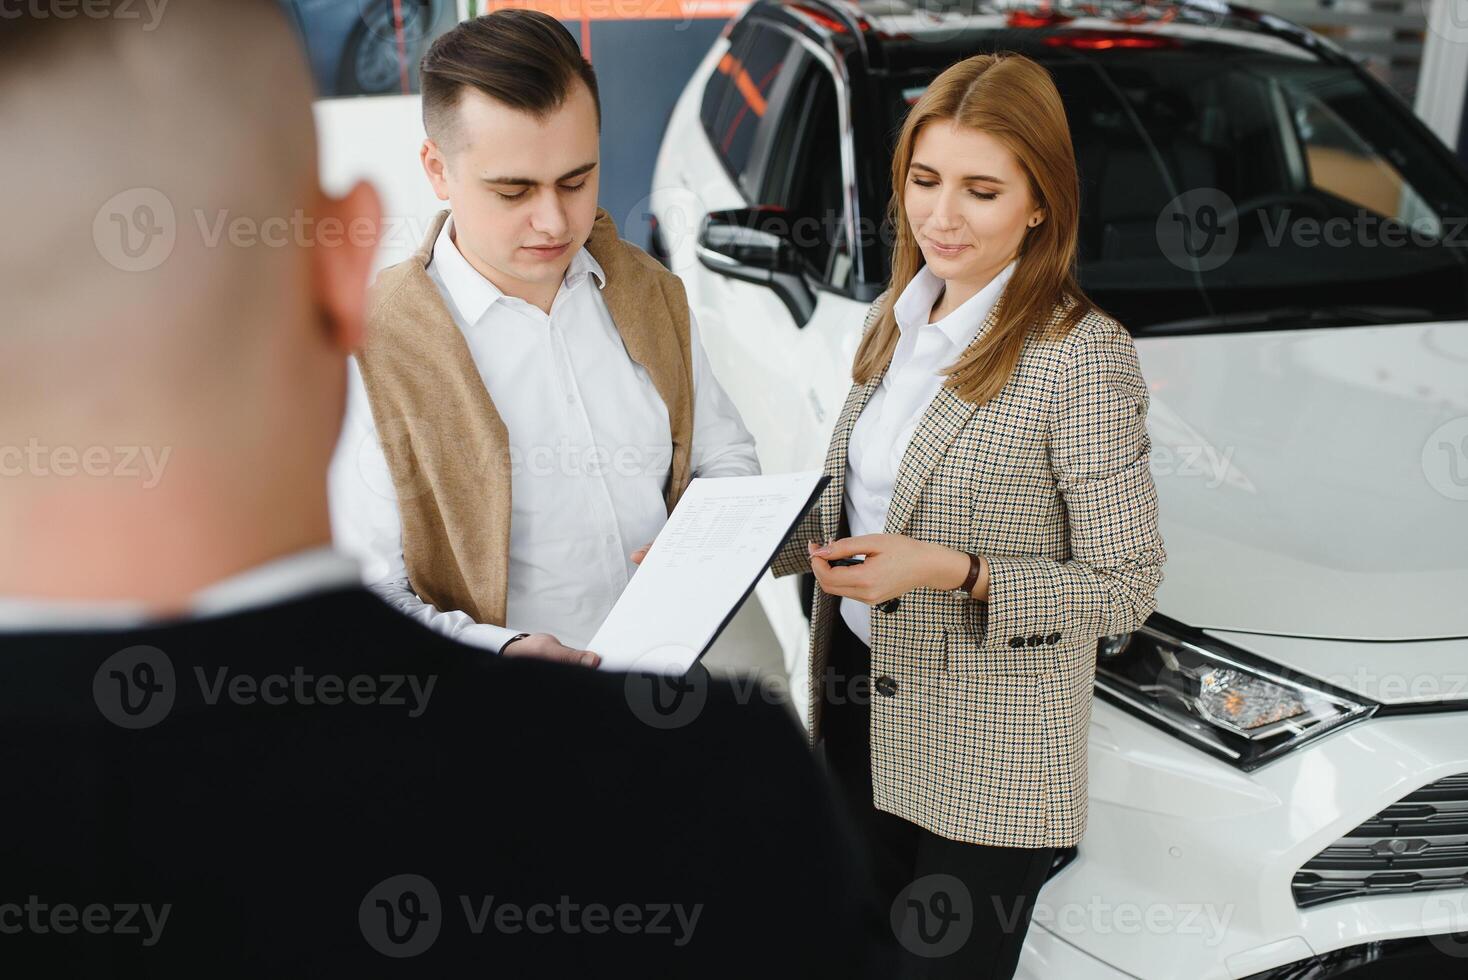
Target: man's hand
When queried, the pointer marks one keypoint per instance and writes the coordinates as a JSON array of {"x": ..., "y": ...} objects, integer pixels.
[
  {"x": 547, "y": 647},
  {"x": 895, "y": 565},
  {"x": 641, "y": 553}
]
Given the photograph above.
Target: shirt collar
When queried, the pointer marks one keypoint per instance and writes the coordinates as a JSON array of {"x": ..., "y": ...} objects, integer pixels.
[
  {"x": 473, "y": 294},
  {"x": 960, "y": 326},
  {"x": 294, "y": 576}
]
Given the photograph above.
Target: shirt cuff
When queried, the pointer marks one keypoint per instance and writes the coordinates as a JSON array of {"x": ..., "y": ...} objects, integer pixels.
[{"x": 488, "y": 636}]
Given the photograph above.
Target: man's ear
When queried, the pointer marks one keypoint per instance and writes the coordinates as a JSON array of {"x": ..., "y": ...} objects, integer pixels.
[
  {"x": 436, "y": 167},
  {"x": 342, "y": 262}
]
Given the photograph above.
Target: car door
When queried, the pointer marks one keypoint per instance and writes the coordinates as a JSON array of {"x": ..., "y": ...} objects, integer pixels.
[{"x": 771, "y": 114}]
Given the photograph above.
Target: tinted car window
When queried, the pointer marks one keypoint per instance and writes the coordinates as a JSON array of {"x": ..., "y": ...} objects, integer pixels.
[
  {"x": 736, "y": 102},
  {"x": 1305, "y": 188},
  {"x": 804, "y": 174}
]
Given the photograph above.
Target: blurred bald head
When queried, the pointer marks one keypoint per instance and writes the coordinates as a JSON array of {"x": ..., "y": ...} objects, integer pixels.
[
  {"x": 132, "y": 137},
  {"x": 165, "y": 269}
]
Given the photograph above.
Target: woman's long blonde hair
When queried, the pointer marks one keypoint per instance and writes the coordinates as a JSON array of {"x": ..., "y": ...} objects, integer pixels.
[{"x": 1013, "y": 99}]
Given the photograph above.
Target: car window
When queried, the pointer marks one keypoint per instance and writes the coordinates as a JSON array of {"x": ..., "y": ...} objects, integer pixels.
[
  {"x": 1340, "y": 162},
  {"x": 368, "y": 47},
  {"x": 804, "y": 174},
  {"x": 739, "y": 100},
  {"x": 1339, "y": 202}
]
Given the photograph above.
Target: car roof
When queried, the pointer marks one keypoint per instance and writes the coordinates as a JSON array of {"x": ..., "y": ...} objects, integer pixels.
[{"x": 940, "y": 27}]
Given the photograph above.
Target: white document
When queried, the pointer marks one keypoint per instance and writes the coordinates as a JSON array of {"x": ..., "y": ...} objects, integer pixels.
[{"x": 705, "y": 561}]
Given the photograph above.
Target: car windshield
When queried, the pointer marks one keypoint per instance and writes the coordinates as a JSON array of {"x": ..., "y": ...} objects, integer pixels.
[{"x": 1224, "y": 188}]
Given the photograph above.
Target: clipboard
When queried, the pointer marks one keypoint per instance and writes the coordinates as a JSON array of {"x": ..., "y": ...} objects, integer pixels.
[
  {"x": 810, "y": 502},
  {"x": 663, "y": 657}
]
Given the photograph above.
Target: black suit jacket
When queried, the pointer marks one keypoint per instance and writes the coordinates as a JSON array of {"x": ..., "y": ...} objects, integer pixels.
[{"x": 324, "y": 787}]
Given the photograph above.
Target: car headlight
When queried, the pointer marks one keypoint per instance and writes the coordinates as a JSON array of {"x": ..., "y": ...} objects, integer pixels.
[{"x": 1218, "y": 697}]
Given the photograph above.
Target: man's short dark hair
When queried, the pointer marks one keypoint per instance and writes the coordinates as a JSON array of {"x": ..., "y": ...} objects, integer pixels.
[{"x": 523, "y": 58}]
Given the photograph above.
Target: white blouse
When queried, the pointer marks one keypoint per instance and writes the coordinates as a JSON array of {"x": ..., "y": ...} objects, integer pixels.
[{"x": 881, "y": 434}]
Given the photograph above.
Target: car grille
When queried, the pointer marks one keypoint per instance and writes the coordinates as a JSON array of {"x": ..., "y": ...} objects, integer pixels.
[{"x": 1417, "y": 844}]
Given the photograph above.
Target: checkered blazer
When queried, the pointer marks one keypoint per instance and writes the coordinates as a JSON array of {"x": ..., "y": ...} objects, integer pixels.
[{"x": 981, "y": 711}]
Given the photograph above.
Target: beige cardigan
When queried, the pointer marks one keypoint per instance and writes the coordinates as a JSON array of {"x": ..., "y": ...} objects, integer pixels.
[{"x": 447, "y": 447}]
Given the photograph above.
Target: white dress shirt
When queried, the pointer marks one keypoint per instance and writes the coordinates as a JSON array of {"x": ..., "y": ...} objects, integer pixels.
[
  {"x": 880, "y": 436},
  {"x": 294, "y": 576},
  {"x": 590, "y": 452}
]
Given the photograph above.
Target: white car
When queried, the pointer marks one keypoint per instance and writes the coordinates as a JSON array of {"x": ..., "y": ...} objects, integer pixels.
[{"x": 1279, "y": 759}]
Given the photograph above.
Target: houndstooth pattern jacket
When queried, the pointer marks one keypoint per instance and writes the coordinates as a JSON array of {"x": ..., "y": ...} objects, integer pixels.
[{"x": 981, "y": 710}]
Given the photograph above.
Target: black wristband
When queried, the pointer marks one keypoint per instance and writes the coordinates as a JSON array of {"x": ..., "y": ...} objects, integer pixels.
[{"x": 517, "y": 636}]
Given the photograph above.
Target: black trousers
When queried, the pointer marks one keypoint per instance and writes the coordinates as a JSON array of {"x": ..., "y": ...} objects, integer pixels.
[{"x": 956, "y": 909}]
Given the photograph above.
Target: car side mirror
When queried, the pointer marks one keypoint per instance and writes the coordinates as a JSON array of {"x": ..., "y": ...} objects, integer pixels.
[{"x": 754, "y": 245}]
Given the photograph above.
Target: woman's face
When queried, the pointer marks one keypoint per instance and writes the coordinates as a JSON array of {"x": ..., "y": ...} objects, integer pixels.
[{"x": 967, "y": 200}]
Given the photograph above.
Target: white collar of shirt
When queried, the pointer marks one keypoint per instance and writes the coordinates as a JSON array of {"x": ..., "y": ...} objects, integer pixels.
[
  {"x": 297, "y": 575},
  {"x": 473, "y": 294},
  {"x": 960, "y": 326}
]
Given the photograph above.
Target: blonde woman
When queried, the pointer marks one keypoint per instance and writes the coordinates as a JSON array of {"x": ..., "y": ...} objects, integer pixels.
[{"x": 990, "y": 472}]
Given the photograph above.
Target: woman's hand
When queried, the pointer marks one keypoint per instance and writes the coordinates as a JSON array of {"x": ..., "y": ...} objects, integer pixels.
[{"x": 895, "y": 565}]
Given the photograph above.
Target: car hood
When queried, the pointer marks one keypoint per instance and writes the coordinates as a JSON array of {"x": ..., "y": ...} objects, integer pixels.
[
  {"x": 1314, "y": 483},
  {"x": 1414, "y": 672}
]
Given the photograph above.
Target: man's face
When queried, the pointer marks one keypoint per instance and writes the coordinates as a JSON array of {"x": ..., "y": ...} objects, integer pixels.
[{"x": 523, "y": 190}]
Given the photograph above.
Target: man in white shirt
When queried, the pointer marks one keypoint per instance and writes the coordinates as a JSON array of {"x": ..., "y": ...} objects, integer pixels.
[{"x": 513, "y": 124}]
